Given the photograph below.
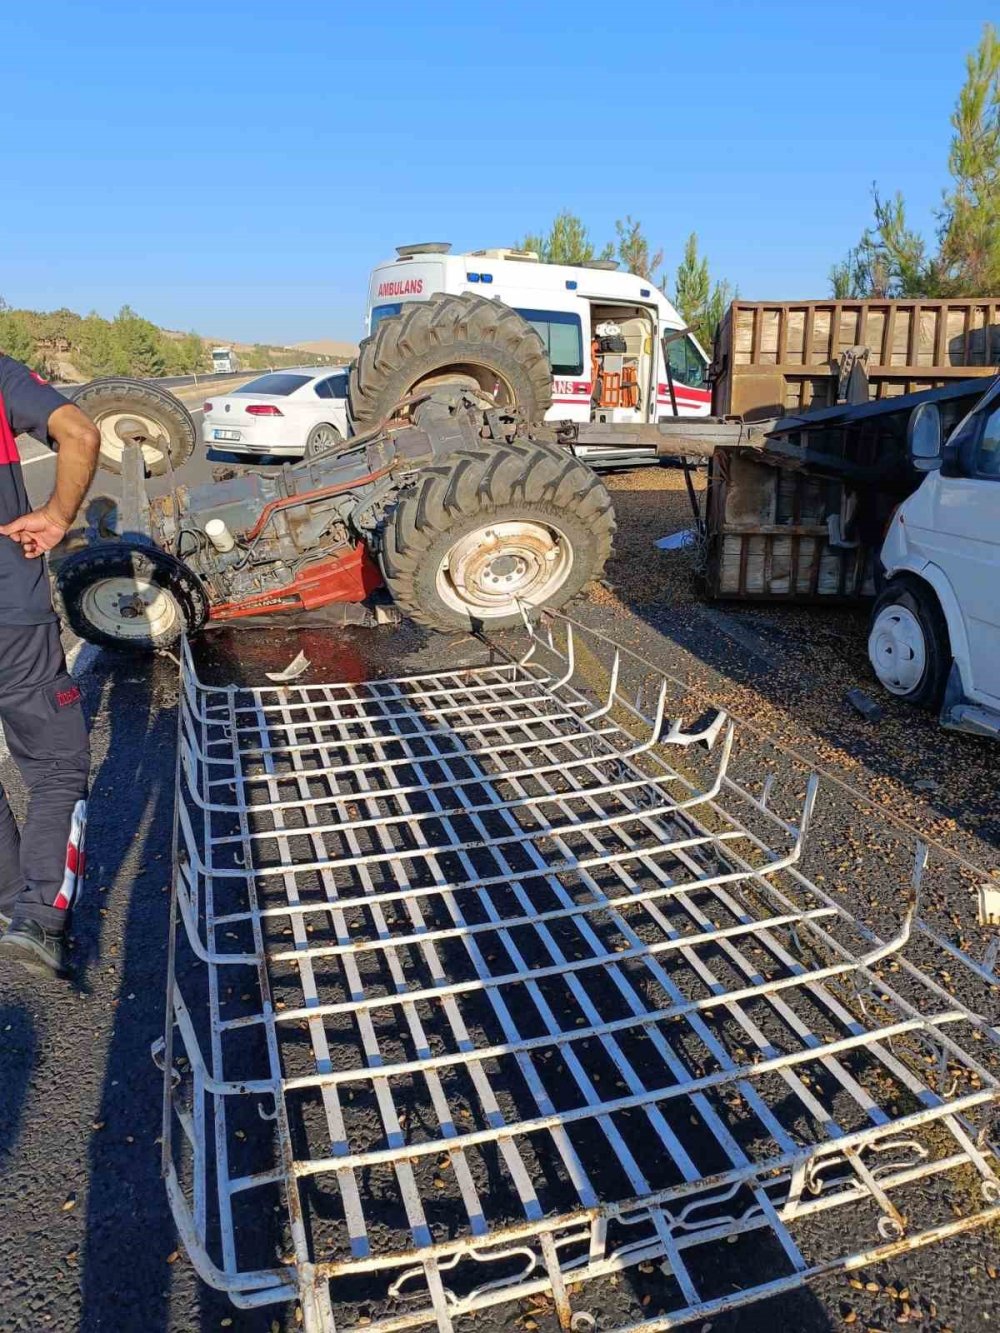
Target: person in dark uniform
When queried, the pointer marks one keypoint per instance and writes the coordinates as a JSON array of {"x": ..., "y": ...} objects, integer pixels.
[{"x": 41, "y": 865}]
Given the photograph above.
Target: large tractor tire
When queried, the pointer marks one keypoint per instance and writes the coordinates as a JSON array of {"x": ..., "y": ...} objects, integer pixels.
[
  {"x": 125, "y": 595},
  {"x": 126, "y": 411},
  {"x": 490, "y": 529},
  {"x": 465, "y": 338}
]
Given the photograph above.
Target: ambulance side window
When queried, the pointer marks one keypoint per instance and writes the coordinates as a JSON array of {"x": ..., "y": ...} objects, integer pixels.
[{"x": 562, "y": 334}]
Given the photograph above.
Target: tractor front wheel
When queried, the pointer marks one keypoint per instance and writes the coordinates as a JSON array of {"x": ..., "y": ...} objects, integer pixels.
[{"x": 125, "y": 595}]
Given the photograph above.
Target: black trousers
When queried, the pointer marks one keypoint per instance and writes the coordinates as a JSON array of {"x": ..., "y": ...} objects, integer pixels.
[{"x": 41, "y": 864}]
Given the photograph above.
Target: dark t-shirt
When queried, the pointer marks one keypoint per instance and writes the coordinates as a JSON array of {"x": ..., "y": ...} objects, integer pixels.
[{"x": 26, "y": 403}]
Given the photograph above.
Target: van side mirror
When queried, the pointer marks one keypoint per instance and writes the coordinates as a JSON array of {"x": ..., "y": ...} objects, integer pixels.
[{"x": 923, "y": 437}]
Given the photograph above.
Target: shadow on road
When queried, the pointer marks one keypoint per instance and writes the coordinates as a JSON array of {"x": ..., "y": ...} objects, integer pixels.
[
  {"x": 129, "y": 1233},
  {"x": 19, "y": 1044}
]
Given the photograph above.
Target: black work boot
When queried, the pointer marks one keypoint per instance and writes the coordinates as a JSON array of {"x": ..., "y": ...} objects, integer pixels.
[{"x": 38, "y": 950}]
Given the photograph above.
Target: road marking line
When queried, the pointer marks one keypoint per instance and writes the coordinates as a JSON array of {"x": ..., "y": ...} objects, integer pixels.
[{"x": 38, "y": 458}]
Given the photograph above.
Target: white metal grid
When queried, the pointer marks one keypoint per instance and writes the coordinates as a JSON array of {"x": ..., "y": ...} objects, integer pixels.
[{"x": 482, "y": 987}]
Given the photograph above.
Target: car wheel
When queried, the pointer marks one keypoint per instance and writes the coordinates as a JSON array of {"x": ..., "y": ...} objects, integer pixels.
[
  {"x": 908, "y": 643},
  {"x": 321, "y": 438}
]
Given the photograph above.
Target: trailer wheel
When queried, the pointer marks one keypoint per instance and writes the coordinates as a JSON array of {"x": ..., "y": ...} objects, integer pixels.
[
  {"x": 123, "y": 595},
  {"x": 908, "y": 643},
  {"x": 463, "y": 337},
  {"x": 473, "y": 537},
  {"x": 125, "y": 410}
]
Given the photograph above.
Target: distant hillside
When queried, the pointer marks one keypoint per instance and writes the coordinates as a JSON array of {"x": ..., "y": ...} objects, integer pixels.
[
  {"x": 329, "y": 347},
  {"x": 70, "y": 347}
]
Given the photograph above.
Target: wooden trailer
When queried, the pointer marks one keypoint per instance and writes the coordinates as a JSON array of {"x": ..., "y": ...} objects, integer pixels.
[
  {"x": 779, "y": 357},
  {"x": 802, "y": 516}
]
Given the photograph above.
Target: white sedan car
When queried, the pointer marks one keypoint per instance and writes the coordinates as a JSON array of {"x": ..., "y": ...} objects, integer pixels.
[{"x": 294, "y": 412}]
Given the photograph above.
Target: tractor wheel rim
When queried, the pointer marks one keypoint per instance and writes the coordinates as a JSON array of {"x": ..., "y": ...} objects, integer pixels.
[
  {"x": 130, "y": 608},
  {"x": 492, "y": 569},
  {"x": 117, "y": 427},
  {"x": 897, "y": 649}
]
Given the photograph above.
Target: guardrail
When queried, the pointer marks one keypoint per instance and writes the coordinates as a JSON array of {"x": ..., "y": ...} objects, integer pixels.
[
  {"x": 176, "y": 381},
  {"x": 211, "y": 377}
]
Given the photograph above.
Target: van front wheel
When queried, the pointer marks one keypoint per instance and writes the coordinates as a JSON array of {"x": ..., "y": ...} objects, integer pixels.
[{"x": 908, "y": 643}]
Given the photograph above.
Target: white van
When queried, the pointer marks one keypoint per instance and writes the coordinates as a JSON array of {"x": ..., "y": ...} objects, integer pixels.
[
  {"x": 935, "y": 630},
  {"x": 610, "y": 336}
]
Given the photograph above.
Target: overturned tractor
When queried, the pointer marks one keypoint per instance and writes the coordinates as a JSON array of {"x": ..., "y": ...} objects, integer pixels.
[{"x": 457, "y": 508}]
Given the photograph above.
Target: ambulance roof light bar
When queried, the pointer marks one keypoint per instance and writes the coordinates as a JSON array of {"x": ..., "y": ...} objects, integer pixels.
[{"x": 423, "y": 248}]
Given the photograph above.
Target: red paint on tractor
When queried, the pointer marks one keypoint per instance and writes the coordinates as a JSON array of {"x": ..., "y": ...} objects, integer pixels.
[{"x": 348, "y": 577}]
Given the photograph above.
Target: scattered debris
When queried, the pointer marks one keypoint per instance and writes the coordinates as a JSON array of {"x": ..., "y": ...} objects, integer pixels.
[
  {"x": 295, "y": 668},
  {"x": 864, "y": 704},
  {"x": 676, "y": 541},
  {"x": 989, "y": 905}
]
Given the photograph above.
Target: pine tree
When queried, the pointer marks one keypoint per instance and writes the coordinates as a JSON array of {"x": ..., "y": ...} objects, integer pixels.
[
  {"x": 891, "y": 259},
  {"x": 970, "y": 220},
  {"x": 692, "y": 286},
  {"x": 633, "y": 249},
  {"x": 567, "y": 242},
  {"x": 701, "y": 303}
]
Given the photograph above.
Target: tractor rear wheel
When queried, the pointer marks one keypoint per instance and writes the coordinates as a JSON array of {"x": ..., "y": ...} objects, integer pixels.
[
  {"x": 127, "y": 411},
  {"x": 124, "y": 595},
  {"x": 488, "y": 530},
  {"x": 465, "y": 338}
]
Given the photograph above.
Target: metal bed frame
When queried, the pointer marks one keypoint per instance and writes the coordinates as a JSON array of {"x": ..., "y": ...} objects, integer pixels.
[{"x": 533, "y": 992}]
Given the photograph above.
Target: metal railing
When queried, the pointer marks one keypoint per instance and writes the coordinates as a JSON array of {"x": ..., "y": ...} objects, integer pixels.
[{"x": 506, "y": 986}]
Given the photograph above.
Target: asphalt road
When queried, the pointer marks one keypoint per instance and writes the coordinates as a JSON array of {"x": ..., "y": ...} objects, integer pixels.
[{"x": 86, "y": 1238}]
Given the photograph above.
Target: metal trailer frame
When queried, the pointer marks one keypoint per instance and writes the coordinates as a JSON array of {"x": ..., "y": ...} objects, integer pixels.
[{"x": 500, "y": 937}]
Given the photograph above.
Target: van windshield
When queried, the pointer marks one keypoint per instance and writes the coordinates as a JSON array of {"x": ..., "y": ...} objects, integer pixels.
[{"x": 686, "y": 362}]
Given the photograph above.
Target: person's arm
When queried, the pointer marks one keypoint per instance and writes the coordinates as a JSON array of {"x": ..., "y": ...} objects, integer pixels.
[
  {"x": 78, "y": 442},
  {"x": 33, "y": 407}
]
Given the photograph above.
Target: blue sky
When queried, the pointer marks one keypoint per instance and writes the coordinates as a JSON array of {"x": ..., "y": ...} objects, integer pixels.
[{"x": 238, "y": 168}]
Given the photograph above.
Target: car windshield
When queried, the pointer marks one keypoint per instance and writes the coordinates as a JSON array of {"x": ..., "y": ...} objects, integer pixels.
[{"x": 278, "y": 383}]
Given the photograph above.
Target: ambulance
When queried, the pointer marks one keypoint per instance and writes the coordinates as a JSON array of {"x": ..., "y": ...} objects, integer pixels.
[{"x": 619, "y": 351}]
